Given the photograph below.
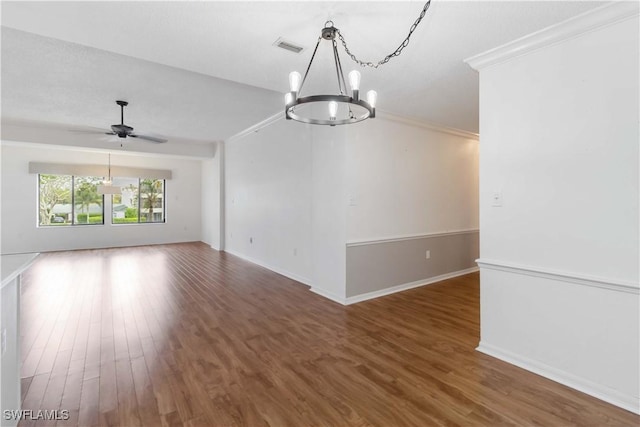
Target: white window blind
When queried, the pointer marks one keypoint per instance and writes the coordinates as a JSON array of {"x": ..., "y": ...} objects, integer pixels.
[{"x": 97, "y": 170}]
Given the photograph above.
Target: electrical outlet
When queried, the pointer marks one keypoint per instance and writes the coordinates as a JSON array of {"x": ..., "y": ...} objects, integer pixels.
[
  {"x": 250, "y": 239},
  {"x": 428, "y": 255}
]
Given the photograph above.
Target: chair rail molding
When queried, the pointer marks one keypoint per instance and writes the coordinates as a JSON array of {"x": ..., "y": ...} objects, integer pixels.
[
  {"x": 373, "y": 241},
  {"x": 562, "y": 276}
]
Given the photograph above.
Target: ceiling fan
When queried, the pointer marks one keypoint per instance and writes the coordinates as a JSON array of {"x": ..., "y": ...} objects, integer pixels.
[{"x": 124, "y": 131}]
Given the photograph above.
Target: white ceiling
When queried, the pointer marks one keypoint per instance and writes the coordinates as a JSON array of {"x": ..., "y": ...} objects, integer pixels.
[{"x": 70, "y": 61}]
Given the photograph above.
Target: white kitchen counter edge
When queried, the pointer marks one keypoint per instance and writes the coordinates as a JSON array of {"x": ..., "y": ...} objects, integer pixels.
[{"x": 13, "y": 265}]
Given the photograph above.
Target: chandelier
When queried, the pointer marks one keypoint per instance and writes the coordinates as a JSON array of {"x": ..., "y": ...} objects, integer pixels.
[
  {"x": 342, "y": 108},
  {"x": 296, "y": 82},
  {"x": 107, "y": 186}
]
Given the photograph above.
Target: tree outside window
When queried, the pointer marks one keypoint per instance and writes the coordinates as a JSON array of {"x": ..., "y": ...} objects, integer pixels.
[
  {"x": 55, "y": 190},
  {"x": 85, "y": 196},
  {"x": 141, "y": 201},
  {"x": 69, "y": 200},
  {"x": 151, "y": 193}
]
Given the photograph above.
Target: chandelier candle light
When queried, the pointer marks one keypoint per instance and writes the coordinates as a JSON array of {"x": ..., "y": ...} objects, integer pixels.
[{"x": 366, "y": 109}]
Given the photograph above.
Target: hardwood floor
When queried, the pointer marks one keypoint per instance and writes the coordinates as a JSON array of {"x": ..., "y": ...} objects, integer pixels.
[{"x": 184, "y": 335}]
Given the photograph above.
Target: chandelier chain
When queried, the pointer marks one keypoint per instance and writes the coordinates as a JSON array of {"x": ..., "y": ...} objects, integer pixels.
[{"x": 397, "y": 52}]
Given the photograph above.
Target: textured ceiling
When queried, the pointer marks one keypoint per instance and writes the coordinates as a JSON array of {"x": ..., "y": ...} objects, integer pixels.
[
  {"x": 44, "y": 79},
  {"x": 71, "y": 60}
]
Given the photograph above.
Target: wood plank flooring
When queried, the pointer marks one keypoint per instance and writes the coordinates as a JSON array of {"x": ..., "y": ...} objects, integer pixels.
[{"x": 183, "y": 335}]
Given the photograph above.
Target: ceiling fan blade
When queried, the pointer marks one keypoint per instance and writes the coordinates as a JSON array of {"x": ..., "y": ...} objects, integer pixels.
[
  {"x": 149, "y": 138},
  {"x": 92, "y": 132},
  {"x": 121, "y": 130}
]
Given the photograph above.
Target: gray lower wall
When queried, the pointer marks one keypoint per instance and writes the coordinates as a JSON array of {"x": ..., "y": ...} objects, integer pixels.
[{"x": 383, "y": 264}]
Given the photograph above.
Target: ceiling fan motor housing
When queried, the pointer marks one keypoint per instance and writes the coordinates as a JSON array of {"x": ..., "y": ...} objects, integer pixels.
[{"x": 122, "y": 130}]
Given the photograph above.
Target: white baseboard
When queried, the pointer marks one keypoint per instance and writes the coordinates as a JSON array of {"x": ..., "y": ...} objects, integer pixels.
[
  {"x": 278, "y": 270},
  {"x": 406, "y": 286},
  {"x": 629, "y": 402},
  {"x": 329, "y": 295}
]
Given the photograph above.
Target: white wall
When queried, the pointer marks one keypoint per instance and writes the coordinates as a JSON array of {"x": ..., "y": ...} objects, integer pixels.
[
  {"x": 560, "y": 257},
  {"x": 560, "y": 140},
  {"x": 211, "y": 188},
  {"x": 295, "y": 194},
  {"x": 268, "y": 180},
  {"x": 328, "y": 210},
  {"x": 406, "y": 180},
  {"x": 20, "y": 203},
  {"x": 411, "y": 188},
  {"x": 285, "y": 203}
]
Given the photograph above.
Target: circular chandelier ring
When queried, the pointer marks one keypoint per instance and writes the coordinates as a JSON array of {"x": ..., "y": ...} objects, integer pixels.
[{"x": 344, "y": 99}]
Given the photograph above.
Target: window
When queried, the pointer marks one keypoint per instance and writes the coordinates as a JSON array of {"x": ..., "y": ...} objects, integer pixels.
[
  {"x": 141, "y": 201},
  {"x": 69, "y": 200}
]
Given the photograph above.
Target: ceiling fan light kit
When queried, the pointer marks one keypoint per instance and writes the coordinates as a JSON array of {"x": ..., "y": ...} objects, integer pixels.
[{"x": 354, "y": 109}]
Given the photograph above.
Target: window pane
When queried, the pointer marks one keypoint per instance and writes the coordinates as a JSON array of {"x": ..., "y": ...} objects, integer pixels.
[
  {"x": 125, "y": 205},
  {"x": 151, "y": 200},
  {"x": 55, "y": 200},
  {"x": 88, "y": 204}
]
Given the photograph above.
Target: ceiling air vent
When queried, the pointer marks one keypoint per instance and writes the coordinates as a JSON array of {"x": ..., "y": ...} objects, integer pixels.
[{"x": 287, "y": 45}]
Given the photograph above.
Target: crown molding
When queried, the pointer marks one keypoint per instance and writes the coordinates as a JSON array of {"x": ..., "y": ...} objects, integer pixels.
[
  {"x": 425, "y": 125},
  {"x": 380, "y": 114},
  {"x": 585, "y": 22},
  {"x": 255, "y": 128}
]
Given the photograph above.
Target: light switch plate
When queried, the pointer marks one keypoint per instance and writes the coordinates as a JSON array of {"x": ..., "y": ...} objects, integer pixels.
[{"x": 496, "y": 199}]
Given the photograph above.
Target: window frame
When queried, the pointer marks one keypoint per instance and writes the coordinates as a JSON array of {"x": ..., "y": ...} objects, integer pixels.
[
  {"x": 139, "y": 204},
  {"x": 73, "y": 222}
]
